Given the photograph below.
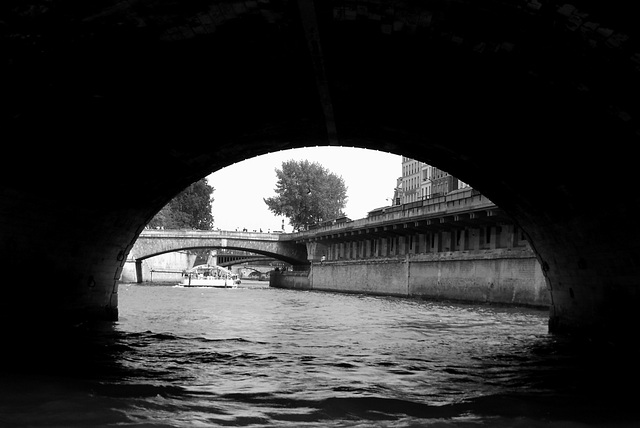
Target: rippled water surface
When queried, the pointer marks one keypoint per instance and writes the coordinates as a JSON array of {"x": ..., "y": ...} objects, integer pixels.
[{"x": 256, "y": 356}]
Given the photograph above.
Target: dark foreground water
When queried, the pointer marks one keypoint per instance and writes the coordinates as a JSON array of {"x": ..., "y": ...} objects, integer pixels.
[{"x": 193, "y": 357}]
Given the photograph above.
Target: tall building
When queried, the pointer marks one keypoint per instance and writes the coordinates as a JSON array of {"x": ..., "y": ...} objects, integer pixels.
[
  {"x": 411, "y": 181},
  {"x": 422, "y": 181},
  {"x": 426, "y": 185}
]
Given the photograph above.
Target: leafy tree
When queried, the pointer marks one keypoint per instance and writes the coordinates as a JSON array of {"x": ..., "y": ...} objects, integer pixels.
[
  {"x": 307, "y": 193},
  {"x": 190, "y": 209}
]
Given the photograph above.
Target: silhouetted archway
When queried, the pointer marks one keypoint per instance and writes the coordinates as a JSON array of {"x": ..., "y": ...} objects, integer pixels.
[{"x": 113, "y": 108}]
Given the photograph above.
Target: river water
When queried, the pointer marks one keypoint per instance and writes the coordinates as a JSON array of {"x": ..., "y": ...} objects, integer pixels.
[{"x": 256, "y": 356}]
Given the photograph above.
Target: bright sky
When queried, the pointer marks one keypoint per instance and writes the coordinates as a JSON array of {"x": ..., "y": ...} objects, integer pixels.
[{"x": 370, "y": 177}]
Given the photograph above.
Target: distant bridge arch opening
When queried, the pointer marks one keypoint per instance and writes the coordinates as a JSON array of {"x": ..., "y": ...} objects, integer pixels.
[
  {"x": 248, "y": 259},
  {"x": 260, "y": 274}
]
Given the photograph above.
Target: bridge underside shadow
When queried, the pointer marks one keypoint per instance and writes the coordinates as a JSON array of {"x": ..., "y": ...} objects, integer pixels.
[
  {"x": 534, "y": 105},
  {"x": 232, "y": 261}
]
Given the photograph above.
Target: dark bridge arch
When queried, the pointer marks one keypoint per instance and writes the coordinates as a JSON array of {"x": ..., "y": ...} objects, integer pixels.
[{"x": 535, "y": 104}]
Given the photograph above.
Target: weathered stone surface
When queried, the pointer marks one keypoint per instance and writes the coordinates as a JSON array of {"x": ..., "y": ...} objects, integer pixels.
[{"x": 489, "y": 276}]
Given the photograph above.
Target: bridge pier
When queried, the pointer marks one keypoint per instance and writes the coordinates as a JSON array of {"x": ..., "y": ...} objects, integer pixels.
[
  {"x": 316, "y": 250},
  {"x": 138, "y": 271},
  {"x": 213, "y": 258}
]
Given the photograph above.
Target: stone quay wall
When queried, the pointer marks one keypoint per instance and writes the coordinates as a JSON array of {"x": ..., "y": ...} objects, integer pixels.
[{"x": 499, "y": 276}]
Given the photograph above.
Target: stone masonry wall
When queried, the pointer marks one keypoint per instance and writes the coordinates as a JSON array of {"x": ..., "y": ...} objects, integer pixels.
[
  {"x": 493, "y": 276},
  {"x": 503, "y": 276}
]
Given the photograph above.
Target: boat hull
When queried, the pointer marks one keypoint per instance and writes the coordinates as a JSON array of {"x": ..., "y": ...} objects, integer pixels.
[{"x": 215, "y": 283}]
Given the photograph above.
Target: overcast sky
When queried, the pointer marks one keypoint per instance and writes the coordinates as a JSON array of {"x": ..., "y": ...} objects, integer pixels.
[{"x": 369, "y": 175}]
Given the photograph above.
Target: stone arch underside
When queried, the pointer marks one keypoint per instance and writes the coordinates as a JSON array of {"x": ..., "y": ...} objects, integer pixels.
[
  {"x": 291, "y": 255},
  {"x": 240, "y": 261},
  {"x": 113, "y": 108}
]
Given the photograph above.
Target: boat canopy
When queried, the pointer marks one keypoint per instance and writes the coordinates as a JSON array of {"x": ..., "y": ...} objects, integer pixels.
[{"x": 208, "y": 269}]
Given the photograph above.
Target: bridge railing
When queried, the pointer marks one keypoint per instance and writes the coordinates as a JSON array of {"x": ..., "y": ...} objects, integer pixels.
[
  {"x": 191, "y": 233},
  {"x": 452, "y": 203}
]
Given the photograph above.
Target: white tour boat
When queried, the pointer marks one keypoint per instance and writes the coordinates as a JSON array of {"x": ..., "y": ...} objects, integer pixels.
[{"x": 209, "y": 276}]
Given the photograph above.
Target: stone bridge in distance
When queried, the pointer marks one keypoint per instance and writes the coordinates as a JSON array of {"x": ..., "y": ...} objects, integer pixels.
[{"x": 152, "y": 243}]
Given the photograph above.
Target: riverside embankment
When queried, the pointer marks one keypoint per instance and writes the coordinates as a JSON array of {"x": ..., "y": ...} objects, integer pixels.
[{"x": 500, "y": 276}]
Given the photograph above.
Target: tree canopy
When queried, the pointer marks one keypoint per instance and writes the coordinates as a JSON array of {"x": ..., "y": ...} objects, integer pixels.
[
  {"x": 307, "y": 193},
  {"x": 190, "y": 209}
]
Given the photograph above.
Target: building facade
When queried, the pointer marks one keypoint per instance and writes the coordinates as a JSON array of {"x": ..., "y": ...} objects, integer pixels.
[
  {"x": 421, "y": 181},
  {"x": 411, "y": 180}
]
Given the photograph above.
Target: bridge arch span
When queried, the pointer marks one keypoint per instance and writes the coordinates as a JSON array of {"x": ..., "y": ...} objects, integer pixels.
[
  {"x": 153, "y": 243},
  {"x": 285, "y": 259},
  {"x": 534, "y": 104}
]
